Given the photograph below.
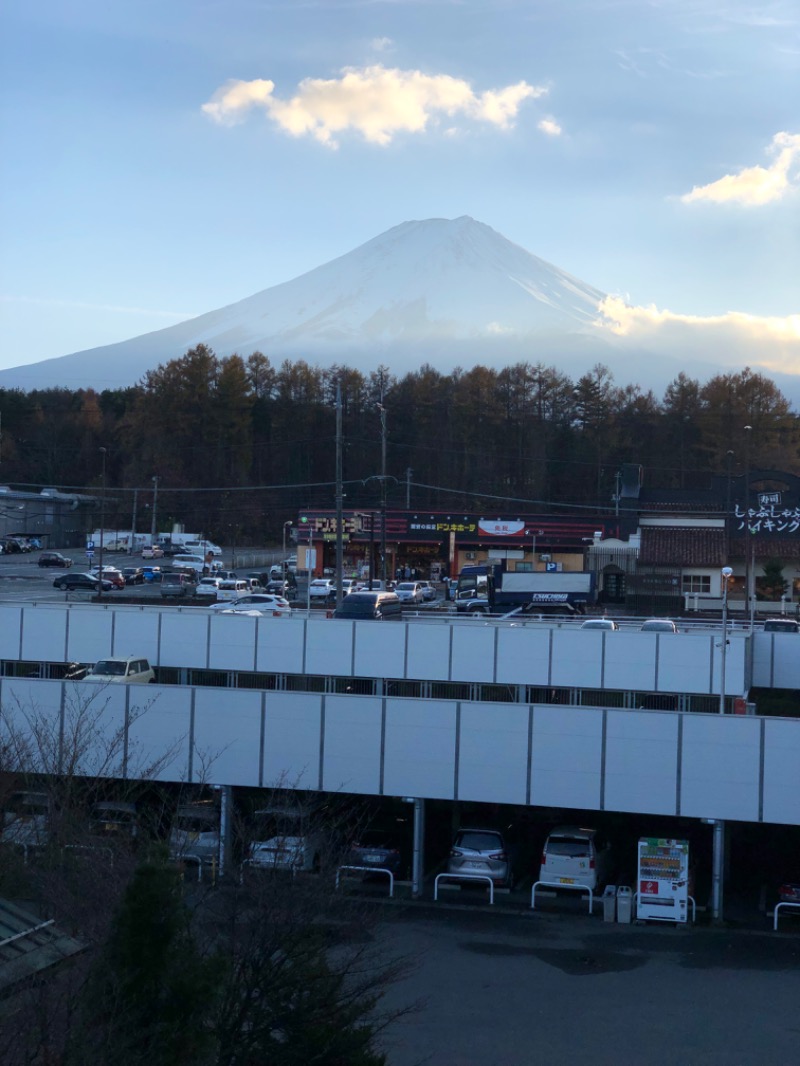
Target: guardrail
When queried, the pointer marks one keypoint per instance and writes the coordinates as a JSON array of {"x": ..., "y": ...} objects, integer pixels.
[
  {"x": 786, "y": 906},
  {"x": 553, "y": 884},
  {"x": 463, "y": 877},
  {"x": 370, "y": 870}
]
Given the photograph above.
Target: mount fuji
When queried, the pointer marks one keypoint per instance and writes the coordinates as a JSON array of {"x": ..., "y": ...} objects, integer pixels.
[{"x": 446, "y": 292}]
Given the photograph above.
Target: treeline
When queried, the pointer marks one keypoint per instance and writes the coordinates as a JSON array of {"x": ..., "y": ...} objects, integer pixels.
[{"x": 238, "y": 445}]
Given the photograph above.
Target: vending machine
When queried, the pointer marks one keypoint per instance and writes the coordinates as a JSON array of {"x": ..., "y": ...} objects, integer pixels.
[{"x": 663, "y": 882}]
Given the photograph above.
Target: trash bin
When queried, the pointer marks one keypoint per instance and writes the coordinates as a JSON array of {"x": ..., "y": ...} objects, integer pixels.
[
  {"x": 624, "y": 904},
  {"x": 610, "y": 904}
]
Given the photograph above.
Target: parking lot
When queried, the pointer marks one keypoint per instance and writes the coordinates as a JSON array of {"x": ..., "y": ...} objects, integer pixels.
[{"x": 556, "y": 989}]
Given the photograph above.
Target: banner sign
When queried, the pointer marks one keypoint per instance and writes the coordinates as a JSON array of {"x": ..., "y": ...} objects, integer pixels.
[
  {"x": 770, "y": 518},
  {"x": 500, "y": 528}
]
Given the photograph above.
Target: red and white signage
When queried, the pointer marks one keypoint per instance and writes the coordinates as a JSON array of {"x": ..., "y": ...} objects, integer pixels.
[{"x": 499, "y": 528}]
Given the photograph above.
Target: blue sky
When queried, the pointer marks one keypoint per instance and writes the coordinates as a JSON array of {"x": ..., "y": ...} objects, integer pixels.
[{"x": 162, "y": 160}]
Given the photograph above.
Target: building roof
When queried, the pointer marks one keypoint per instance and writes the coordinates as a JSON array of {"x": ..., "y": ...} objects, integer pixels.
[
  {"x": 682, "y": 546},
  {"x": 29, "y": 945}
]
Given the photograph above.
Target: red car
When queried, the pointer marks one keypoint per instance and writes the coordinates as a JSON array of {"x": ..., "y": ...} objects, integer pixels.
[{"x": 112, "y": 575}]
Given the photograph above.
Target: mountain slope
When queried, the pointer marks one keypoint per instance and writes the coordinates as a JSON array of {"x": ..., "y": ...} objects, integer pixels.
[{"x": 453, "y": 292}]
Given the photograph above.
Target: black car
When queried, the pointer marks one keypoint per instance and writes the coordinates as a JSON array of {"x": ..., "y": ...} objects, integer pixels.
[
  {"x": 55, "y": 559},
  {"x": 85, "y": 582},
  {"x": 134, "y": 575},
  {"x": 382, "y": 848},
  {"x": 12, "y": 547}
]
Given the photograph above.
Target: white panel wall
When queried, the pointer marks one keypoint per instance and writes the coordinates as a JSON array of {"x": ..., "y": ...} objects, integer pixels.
[
  {"x": 44, "y": 635},
  {"x": 762, "y": 661},
  {"x": 329, "y": 649},
  {"x": 99, "y": 711},
  {"x": 136, "y": 633},
  {"x": 352, "y": 747},
  {"x": 428, "y": 652},
  {"x": 641, "y": 765},
  {"x": 782, "y": 771},
  {"x": 473, "y": 653},
  {"x": 720, "y": 767},
  {"x": 10, "y": 630},
  {"x": 631, "y": 661},
  {"x": 577, "y": 658},
  {"x": 685, "y": 664},
  {"x": 785, "y": 658},
  {"x": 160, "y": 735},
  {"x": 227, "y": 731},
  {"x": 567, "y": 756},
  {"x": 380, "y": 650},
  {"x": 493, "y": 753},
  {"x": 292, "y": 734},
  {"x": 24, "y": 705},
  {"x": 89, "y": 635},
  {"x": 280, "y": 645},
  {"x": 420, "y": 748},
  {"x": 232, "y": 644},
  {"x": 184, "y": 639},
  {"x": 523, "y": 656}
]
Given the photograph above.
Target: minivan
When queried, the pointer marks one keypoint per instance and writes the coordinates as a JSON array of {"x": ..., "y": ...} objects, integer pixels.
[
  {"x": 177, "y": 584},
  {"x": 781, "y": 625},
  {"x": 232, "y": 589},
  {"x": 379, "y": 606},
  {"x": 574, "y": 855}
]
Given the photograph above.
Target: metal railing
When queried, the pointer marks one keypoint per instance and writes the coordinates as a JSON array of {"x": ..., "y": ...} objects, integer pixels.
[
  {"x": 553, "y": 884},
  {"x": 463, "y": 877},
  {"x": 786, "y": 906},
  {"x": 369, "y": 870}
]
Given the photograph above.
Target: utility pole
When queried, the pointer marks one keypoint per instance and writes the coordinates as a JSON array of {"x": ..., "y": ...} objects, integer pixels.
[
  {"x": 748, "y": 576},
  {"x": 382, "y": 411},
  {"x": 339, "y": 530},
  {"x": 154, "y": 526},
  {"x": 102, "y": 529},
  {"x": 133, "y": 522},
  {"x": 409, "y": 472}
]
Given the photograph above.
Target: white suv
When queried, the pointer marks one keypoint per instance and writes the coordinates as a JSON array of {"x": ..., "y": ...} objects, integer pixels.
[
  {"x": 121, "y": 672},
  {"x": 322, "y": 588}
]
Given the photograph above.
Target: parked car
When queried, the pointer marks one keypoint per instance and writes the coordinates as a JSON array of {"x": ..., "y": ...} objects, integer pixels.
[
  {"x": 110, "y": 573},
  {"x": 659, "y": 625},
  {"x": 781, "y": 625},
  {"x": 81, "y": 583},
  {"x": 260, "y": 602},
  {"x": 128, "y": 671},
  {"x": 428, "y": 591},
  {"x": 482, "y": 851},
  {"x": 195, "y": 833},
  {"x": 380, "y": 606},
  {"x": 383, "y": 847},
  {"x": 207, "y": 588},
  {"x": 134, "y": 575},
  {"x": 114, "y": 821},
  {"x": 175, "y": 583},
  {"x": 26, "y": 819},
  {"x": 152, "y": 551},
  {"x": 789, "y": 892},
  {"x": 55, "y": 559},
  {"x": 322, "y": 588},
  {"x": 410, "y": 592},
  {"x": 152, "y": 574},
  {"x": 574, "y": 855},
  {"x": 287, "y": 838},
  {"x": 279, "y": 587},
  {"x": 203, "y": 547},
  {"x": 115, "y": 546},
  {"x": 607, "y": 624}
]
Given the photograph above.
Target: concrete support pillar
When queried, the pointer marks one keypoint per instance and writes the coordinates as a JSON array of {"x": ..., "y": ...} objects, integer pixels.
[
  {"x": 418, "y": 864},
  {"x": 718, "y": 870}
]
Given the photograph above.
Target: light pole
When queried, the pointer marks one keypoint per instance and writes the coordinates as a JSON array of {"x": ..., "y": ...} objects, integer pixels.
[
  {"x": 534, "y": 533},
  {"x": 726, "y": 576},
  {"x": 283, "y": 560},
  {"x": 747, "y": 568},
  {"x": 102, "y": 529},
  {"x": 154, "y": 526},
  {"x": 382, "y": 411}
]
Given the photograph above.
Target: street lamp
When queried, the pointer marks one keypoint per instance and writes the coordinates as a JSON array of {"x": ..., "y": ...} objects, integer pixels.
[
  {"x": 726, "y": 576},
  {"x": 283, "y": 560}
]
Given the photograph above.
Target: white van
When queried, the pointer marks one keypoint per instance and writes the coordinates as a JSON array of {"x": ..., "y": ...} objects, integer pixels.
[
  {"x": 128, "y": 671},
  {"x": 202, "y": 547},
  {"x": 574, "y": 855},
  {"x": 232, "y": 589},
  {"x": 190, "y": 562}
]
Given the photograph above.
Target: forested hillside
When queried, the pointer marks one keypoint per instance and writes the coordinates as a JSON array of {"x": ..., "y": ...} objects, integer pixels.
[{"x": 238, "y": 445}]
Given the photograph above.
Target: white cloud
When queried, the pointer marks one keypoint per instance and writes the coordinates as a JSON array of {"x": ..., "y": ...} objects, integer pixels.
[
  {"x": 754, "y": 186},
  {"x": 381, "y": 44},
  {"x": 715, "y": 338},
  {"x": 550, "y": 127},
  {"x": 375, "y": 101}
]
